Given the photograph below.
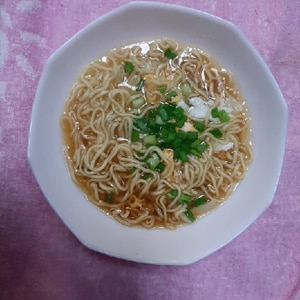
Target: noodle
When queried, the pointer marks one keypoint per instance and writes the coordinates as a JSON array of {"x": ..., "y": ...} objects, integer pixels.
[{"x": 112, "y": 169}]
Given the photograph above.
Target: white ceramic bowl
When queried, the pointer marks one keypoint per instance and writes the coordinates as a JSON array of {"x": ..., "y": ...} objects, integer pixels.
[{"x": 142, "y": 21}]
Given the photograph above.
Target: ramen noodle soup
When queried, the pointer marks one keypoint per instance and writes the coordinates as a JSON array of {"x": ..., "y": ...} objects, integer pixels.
[{"x": 156, "y": 134}]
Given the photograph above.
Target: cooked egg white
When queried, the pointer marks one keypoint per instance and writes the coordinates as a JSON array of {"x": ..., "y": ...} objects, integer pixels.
[
  {"x": 223, "y": 147},
  {"x": 188, "y": 126}
]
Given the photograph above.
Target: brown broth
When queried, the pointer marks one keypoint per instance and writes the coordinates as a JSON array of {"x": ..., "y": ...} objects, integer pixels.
[{"x": 82, "y": 182}]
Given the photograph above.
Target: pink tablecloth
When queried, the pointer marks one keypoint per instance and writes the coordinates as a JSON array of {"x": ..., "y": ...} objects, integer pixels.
[{"x": 41, "y": 259}]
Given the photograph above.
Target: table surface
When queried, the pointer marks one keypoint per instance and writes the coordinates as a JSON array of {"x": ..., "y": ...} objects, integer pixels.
[{"x": 41, "y": 259}]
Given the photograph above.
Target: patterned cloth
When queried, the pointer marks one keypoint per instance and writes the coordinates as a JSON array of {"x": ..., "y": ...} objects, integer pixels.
[{"x": 41, "y": 259}]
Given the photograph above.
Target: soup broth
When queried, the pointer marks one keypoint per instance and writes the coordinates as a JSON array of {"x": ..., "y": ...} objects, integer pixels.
[{"x": 156, "y": 133}]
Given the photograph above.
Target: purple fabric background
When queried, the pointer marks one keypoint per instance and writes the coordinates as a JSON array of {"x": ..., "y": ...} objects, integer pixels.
[{"x": 41, "y": 259}]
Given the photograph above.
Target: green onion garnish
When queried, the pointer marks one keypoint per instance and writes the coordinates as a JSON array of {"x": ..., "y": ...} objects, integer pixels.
[
  {"x": 179, "y": 112},
  {"x": 189, "y": 215},
  {"x": 182, "y": 134},
  {"x": 128, "y": 67},
  {"x": 147, "y": 176},
  {"x": 199, "y": 201},
  {"x": 160, "y": 167},
  {"x": 199, "y": 126},
  {"x": 183, "y": 156},
  {"x": 151, "y": 123},
  {"x": 138, "y": 103},
  {"x": 215, "y": 113},
  {"x": 171, "y": 95},
  {"x": 170, "y": 54},
  {"x": 135, "y": 135},
  {"x": 158, "y": 120},
  {"x": 140, "y": 85},
  {"x": 184, "y": 198},
  {"x": 195, "y": 152},
  {"x": 141, "y": 124},
  {"x": 199, "y": 145},
  {"x": 162, "y": 89},
  {"x": 163, "y": 114},
  {"x": 216, "y": 132},
  {"x": 192, "y": 135},
  {"x": 170, "y": 137},
  {"x": 185, "y": 89},
  {"x": 179, "y": 123},
  {"x": 153, "y": 161},
  {"x": 150, "y": 140},
  {"x": 108, "y": 198},
  {"x": 223, "y": 116},
  {"x": 172, "y": 194},
  {"x": 162, "y": 127},
  {"x": 132, "y": 170}
]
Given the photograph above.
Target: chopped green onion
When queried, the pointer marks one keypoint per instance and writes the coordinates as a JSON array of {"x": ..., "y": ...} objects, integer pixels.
[
  {"x": 158, "y": 120},
  {"x": 141, "y": 124},
  {"x": 184, "y": 198},
  {"x": 195, "y": 152},
  {"x": 164, "y": 132},
  {"x": 182, "y": 134},
  {"x": 183, "y": 156},
  {"x": 132, "y": 170},
  {"x": 199, "y": 146},
  {"x": 171, "y": 95},
  {"x": 170, "y": 126},
  {"x": 162, "y": 89},
  {"x": 216, "y": 132},
  {"x": 172, "y": 194},
  {"x": 180, "y": 117},
  {"x": 170, "y": 137},
  {"x": 177, "y": 143},
  {"x": 170, "y": 54},
  {"x": 137, "y": 103},
  {"x": 202, "y": 147},
  {"x": 128, "y": 67},
  {"x": 215, "y": 113},
  {"x": 189, "y": 215},
  {"x": 160, "y": 167},
  {"x": 151, "y": 123},
  {"x": 185, "y": 89},
  {"x": 163, "y": 114},
  {"x": 147, "y": 176},
  {"x": 192, "y": 135},
  {"x": 223, "y": 116},
  {"x": 150, "y": 140},
  {"x": 140, "y": 85},
  {"x": 153, "y": 161},
  {"x": 176, "y": 153},
  {"x": 135, "y": 135},
  {"x": 199, "y": 126},
  {"x": 108, "y": 198},
  {"x": 195, "y": 144},
  {"x": 186, "y": 147},
  {"x": 170, "y": 107},
  {"x": 162, "y": 127},
  {"x": 199, "y": 201},
  {"x": 179, "y": 123},
  {"x": 179, "y": 112}
]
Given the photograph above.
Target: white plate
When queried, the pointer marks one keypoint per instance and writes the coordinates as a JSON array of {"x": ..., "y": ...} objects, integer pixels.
[{"x": 142, "y": 21}]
